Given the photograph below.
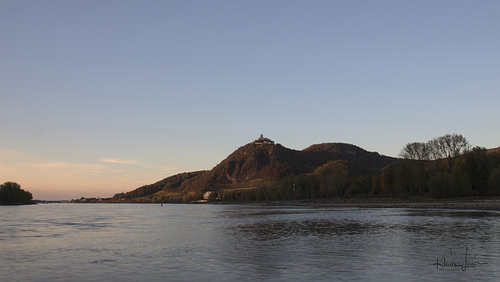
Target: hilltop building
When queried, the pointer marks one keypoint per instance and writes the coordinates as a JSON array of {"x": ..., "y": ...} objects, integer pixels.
[{"x": 263, "y": 140}]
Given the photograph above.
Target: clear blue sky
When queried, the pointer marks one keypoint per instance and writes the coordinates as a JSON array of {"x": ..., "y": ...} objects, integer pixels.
[{"x": 100, "y": 97}]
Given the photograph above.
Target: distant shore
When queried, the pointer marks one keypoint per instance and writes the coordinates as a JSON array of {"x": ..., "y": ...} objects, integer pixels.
[
  {"x": 488, "y": 204},
  {"x": 16, "y": 204}
]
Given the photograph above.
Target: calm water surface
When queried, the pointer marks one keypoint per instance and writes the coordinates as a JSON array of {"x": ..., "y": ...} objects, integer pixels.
[{"x": 147, "y": 242}]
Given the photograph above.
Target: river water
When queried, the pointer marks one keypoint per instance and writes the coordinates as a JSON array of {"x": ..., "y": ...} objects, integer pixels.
[{"x": 180, "y": 242}]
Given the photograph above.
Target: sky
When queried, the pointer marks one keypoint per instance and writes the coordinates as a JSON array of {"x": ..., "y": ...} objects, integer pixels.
[{"x": 100, "y": 97}]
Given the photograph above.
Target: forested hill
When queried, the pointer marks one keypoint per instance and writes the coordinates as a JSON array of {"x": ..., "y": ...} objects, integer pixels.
[
  {"x": 263, "y": 160},
  {"x": 361, "y": 162}
]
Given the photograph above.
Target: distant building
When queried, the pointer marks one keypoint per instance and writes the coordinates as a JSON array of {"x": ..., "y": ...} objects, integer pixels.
[
  {"x": 210, "y": 196},
  {"x": 207, "y": 194},
  {"x": 263, "y": 140}
]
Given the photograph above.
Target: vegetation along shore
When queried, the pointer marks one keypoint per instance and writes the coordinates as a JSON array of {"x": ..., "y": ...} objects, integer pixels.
[
  {"x": 446, "y": 167},
  {"x": 467, "y": 203}
]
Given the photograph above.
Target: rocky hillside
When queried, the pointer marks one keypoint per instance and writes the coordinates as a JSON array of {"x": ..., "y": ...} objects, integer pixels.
[{"x": 253, "y": 161}]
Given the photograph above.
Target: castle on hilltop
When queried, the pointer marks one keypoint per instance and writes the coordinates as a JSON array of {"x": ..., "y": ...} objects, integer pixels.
[{"x": 263, "y": 140}]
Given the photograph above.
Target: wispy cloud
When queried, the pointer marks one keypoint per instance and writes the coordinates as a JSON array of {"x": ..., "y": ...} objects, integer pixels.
[
  {"x": 115, "y": 161},
  {"x": 63, "y": 166}
]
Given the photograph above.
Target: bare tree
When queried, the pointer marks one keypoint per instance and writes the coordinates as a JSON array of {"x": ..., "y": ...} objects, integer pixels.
[
  {"x": 415, "y": 151},
  {"x": 448, "y": 146}
]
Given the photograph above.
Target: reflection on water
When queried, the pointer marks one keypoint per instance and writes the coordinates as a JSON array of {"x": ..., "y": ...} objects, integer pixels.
[
  {"x": 309, "y": 227},
  {"x": 244, "y": 242}
]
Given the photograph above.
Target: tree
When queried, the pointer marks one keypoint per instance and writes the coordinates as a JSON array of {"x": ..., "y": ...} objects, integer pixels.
[
  {"x": 415, "y": 155},
  {"x": 334, "y": 177},
  {"x": 11, "y": 192},
  {"x": 416, "y": 174},
  {"x": 376, "y": 186},
  {"x": 448, "y": 146},
  {"x": 415, "y": 151},
  {"x": 494, "y": 182},
  {"x": 307, "y": 186},
  {"x": 478, "y": 166},
  {"x": 387, "y": 179},
  {"x": 442, "y": 185},
  {"x": 360, "y": 186}
]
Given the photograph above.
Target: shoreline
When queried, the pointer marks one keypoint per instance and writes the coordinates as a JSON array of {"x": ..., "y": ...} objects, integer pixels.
[
  {"x": 483, "y": 204},
  {"x": 16, "y": 204},
  {"x": 470, "y": 203}
]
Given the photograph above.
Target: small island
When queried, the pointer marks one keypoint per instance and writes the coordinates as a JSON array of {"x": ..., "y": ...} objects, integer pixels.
[{"x": 12, "y": 194}]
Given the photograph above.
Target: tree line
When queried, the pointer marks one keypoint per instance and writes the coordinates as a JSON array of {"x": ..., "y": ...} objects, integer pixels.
[{"x": 444, "y": 167}]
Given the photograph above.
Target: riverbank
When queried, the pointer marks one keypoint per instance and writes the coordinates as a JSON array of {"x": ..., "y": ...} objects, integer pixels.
[
  {"x": 489, "y": 204},
  {"x": 16, "y": 204}
]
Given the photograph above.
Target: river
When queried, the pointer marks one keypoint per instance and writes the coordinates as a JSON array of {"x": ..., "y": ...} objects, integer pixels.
[{"x": 205, "y": 242}]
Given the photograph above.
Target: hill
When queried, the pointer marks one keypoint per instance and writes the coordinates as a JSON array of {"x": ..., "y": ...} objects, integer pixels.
[
  {"x": 361, "y": 162},
  {"x": 250, "y": 162},
  {"x": 263, "y": 160},
  {"x": 169, "y": 184}
]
